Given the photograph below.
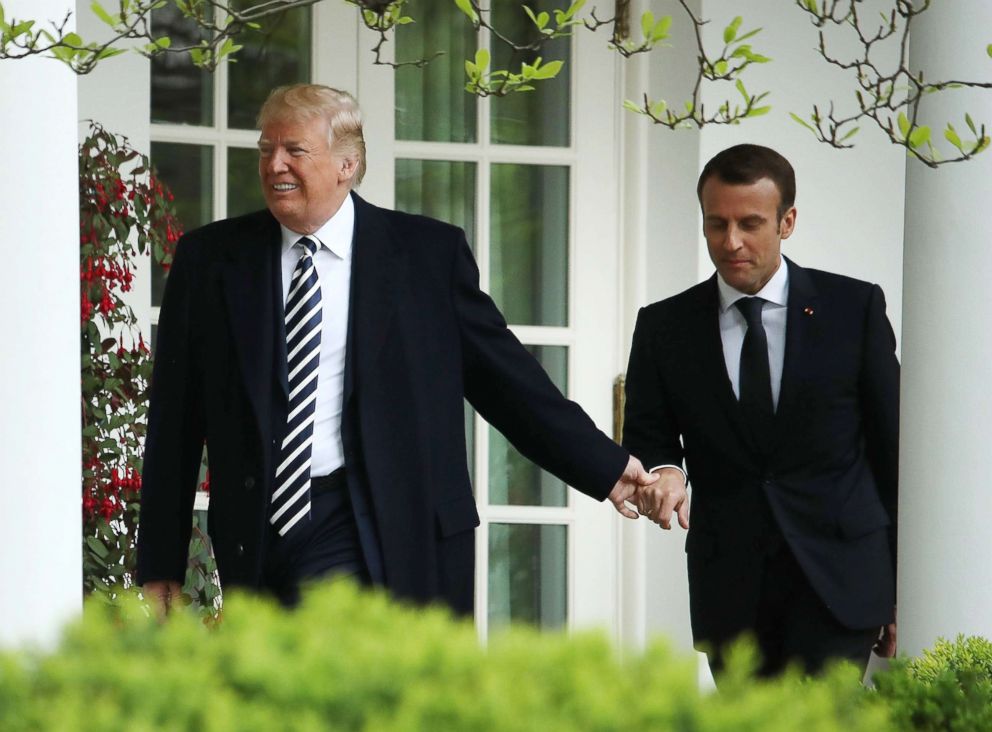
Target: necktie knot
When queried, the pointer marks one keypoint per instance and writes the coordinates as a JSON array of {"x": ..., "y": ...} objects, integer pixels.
[
  {"x": 309, "y": 245},
  {"x": 750, "y": 308}
]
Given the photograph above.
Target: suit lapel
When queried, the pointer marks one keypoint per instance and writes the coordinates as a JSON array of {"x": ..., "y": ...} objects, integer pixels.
[
  {"x": 248, "y": 276},
  {"x": 376, "y": 257},
  {"x": 800, "y": 326}
]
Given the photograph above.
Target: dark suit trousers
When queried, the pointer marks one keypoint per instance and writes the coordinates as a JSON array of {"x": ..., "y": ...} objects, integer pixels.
[
  {"x": 793, "y": 625},
  {"x": 327, "y": 546}
]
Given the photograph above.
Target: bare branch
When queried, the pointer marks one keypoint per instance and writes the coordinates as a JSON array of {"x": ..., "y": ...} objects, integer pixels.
[{"x": 888, "y": 98}]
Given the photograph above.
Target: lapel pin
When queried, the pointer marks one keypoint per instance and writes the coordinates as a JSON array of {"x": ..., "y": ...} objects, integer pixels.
[{"x": 808, "y": 311}]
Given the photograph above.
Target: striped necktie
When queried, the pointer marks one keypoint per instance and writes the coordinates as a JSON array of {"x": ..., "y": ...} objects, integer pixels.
[{"x": 291, "y": 498}]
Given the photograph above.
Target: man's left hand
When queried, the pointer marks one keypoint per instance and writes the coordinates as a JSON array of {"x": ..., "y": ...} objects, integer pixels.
[
  {"x": 886, "y": 645},
  {"x": 633, "y": 478}
]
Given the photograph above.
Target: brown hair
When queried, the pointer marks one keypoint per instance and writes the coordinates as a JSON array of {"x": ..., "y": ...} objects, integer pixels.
[{"x": 747, "y": 164}]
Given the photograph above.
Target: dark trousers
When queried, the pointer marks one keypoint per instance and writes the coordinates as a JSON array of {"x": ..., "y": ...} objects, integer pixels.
[
  {"x": 327, "y": 546},
  {"x": 793, "y": 625}
]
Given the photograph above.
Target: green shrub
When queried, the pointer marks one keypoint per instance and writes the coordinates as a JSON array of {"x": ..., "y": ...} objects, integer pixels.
[
  {"x": 947, "y": 689},
  {"x": 348, "y": 660}
]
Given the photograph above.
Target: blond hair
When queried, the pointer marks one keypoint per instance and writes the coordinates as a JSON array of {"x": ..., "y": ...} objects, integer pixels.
[{"x": 338, "y": 108}]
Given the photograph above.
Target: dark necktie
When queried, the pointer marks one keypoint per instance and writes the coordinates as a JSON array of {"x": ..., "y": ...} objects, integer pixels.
[
  {"x": 755, "y": 378},
  {"x": 291, "y": 498}
]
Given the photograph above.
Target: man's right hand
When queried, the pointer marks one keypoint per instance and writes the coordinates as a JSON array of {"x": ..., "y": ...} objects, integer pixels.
[
  {"x": 658, "y": 500},
  {"x": 161, "y": 594}
]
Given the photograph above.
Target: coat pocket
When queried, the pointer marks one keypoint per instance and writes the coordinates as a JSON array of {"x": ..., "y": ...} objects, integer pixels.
[{"x": 456, "y": 516}]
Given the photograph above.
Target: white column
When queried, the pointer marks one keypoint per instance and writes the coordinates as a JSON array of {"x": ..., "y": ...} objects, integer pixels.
[
  {"x": 945, "y": 543},
  {"x": 40, "y": 524}
]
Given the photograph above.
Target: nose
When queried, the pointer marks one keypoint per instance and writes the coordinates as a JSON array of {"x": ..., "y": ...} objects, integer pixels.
[
  {"x": 275, "y": 162},
  {"x": 732, "y": 241}
]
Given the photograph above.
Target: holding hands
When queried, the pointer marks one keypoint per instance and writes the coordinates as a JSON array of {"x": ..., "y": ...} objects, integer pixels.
[{"x": 656, "y": 495}]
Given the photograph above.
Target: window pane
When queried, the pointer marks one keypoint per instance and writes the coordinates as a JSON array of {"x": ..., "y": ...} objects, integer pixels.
[
  {"x": 244, "y": 192},
  {"x": 431, "y": 102},
  {"x": 277, "y": 54},
  {"x": 438, "y": 188},
  {"x": 513, "y": 479},
  {"x": 527, "y": 575},
  {"x": 189, "y": 172},
  {"x": 528, "y": 257},
  {"x": 539, "y": 117},
  {"x": 181, "y": 93}
]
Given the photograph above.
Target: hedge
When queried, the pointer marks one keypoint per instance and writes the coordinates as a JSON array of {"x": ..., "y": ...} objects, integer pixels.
[{"x": 352, "y": 660}]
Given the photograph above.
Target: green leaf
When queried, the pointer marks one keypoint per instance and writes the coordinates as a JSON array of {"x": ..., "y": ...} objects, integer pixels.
[
  {"x": 919, "y": 136},
  {"x": 850, "y": 134},
  {"x": 542, "y": 20},
  {"x": 658, "y": 108},
  {"x": 471, "y": 70},
  {"x": 811, "y": 5},
  {"x": 661, "y": 28},
  {"x": 759, "y": 111},
  {"x": 730, "y": 32},
  {"x": 102, "y": 14},
  {"x": 62, "y": 53},
  {"x": 749, "y": 34},
  {"x": 971, "y": 123},
  {"x": 740, "y": 87},
  {"x": 166, "y": 42},
  {"x": 951, "y": 135},
  {"x": 482, "y": 59},
  {"x": 22, "y": 28},
  {"x": 530, "y": 14},
  {"x": 107, "y": 53},
  {"x": 631, "y": 106},
  {"x": 721, "y": 67},
  {"x": 96, "y": 546},
  {"x": 988, "y": 50},
  {"x": 647, "y": 23},
  {"x": 903, "y": 122},
  {"x": 549, "y": 70},
  {"x": 466, "y": 7},
  {"x": 801, "y": 121}
]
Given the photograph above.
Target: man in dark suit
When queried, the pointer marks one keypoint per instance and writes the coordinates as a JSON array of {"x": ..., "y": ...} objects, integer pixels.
[
  {"x": 322, "y": 350},
  {"x": 777, "y": 387}
]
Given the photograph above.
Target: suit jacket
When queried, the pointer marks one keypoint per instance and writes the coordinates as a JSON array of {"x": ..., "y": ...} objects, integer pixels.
[
  {"x": 828, "y": 475},
  {"x": 422, "y": 337}
]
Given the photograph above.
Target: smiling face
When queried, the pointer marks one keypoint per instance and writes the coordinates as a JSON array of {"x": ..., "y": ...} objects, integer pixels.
[
  {"x": 303, "y": 180},
  {"x": 743, "y": 230}
]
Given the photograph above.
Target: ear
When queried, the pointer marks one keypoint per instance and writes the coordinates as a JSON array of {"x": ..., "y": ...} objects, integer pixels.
[
  {"x": 788, "y": 223},
  {"x": 347, "y": 167}
]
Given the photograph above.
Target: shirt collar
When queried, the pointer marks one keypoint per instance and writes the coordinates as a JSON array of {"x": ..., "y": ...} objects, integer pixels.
[
  {"x": 775, "y": 291},
  {"x": 336, "y": 234}
]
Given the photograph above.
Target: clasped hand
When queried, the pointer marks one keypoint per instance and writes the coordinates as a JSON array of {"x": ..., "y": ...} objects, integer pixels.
[{"x": 655, "y": 495}]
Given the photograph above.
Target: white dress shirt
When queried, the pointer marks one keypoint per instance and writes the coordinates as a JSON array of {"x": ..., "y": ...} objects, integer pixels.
[
  {"x": 775, "y": 293},
  {"x": 333, "y": 264}
]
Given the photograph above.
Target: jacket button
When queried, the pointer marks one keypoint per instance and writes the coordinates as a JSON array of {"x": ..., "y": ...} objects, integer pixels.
[
  {"x": 249, "y": 482},
  {"x": 240, "y": 549}
]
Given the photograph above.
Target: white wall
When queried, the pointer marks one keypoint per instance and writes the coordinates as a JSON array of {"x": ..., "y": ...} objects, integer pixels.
[
  {"x": 945, "y": 577},
  {"x": 118, "y": 96},
  {"x": 41, "y": 563}
]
